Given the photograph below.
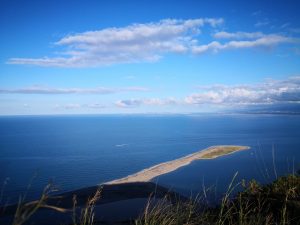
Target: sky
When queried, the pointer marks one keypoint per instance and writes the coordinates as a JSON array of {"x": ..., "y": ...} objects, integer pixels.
[{"x": 110, "y": 57}]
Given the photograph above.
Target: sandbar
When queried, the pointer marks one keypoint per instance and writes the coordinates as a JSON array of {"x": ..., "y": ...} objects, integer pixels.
[{"x": 209, "y": 153}]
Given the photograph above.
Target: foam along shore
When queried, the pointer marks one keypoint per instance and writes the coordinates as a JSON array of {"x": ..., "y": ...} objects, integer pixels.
[{"x": 166, "y": 167}]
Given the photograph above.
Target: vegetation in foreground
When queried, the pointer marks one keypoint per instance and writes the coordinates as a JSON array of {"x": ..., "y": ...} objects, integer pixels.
[{"x": 276, "y": 203}]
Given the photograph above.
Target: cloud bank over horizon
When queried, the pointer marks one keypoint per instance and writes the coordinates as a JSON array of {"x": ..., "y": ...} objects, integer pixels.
[{"x": 270, "y": 93}]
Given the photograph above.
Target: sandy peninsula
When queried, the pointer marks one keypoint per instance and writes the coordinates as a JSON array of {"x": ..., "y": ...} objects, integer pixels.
[{"x": 166, "y": 167}]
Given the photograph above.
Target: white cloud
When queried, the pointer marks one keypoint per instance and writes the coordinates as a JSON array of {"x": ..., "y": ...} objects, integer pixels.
[
  {"x": 129, "y": 103},
  {"x": 214, "y": 22},
  {"x": 262, "y": 23},
  {"x": 238, "y": 35},
  {"x": 49, "y": 90},
  {"x": 285, "y": 25},
  {"x": 134, "y": 43},
  {"x": 212, "y": 46},
  {"x": 95, "y": 106},
  {"x": 148, "y": 101},
  {"x": 149, "y": 42},
  {"x": 270, "y": 40},
  {"x": 269, "y": 92}
]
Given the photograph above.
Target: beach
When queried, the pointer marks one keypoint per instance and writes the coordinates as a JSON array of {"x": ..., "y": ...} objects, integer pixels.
[{"x": 209, "y": 153}]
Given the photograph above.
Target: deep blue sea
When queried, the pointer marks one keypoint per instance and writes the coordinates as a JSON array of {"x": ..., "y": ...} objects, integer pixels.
[{"x": 80, "y": 151}]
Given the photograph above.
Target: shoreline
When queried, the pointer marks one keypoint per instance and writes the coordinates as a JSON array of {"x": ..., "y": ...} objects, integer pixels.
[{"x": 148, "y": 174}]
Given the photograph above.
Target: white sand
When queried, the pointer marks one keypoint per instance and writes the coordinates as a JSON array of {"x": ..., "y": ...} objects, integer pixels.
[{"x": 166, "y": 167}]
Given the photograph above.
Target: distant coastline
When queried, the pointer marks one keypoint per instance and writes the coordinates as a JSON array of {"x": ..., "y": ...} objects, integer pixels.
[{"x": 209, "y": 153}]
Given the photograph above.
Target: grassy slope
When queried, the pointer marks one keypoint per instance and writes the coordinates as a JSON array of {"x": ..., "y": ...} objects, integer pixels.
[{"x": 276, "y": 203}]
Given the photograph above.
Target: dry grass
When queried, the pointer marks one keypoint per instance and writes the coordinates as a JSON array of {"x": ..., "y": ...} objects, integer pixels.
[
  {"x": 87, "y": 214},
  {"x": 277, "y": 203},
  {"x": 25, "y": 210}
]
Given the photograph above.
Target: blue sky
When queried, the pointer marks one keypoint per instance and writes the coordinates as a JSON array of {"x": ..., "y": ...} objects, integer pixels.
[{"x": 97, "y": 57}]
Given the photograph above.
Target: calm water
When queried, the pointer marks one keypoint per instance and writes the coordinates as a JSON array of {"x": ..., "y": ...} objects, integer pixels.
[{"x": 80, "y": 151}]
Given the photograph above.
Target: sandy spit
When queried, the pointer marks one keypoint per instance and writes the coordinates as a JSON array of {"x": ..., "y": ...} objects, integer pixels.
[{"x": 166, "y": 167}]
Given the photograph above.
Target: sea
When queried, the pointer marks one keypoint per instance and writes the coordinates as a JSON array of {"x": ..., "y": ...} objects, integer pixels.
[{"x": 73, "y": 152}]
